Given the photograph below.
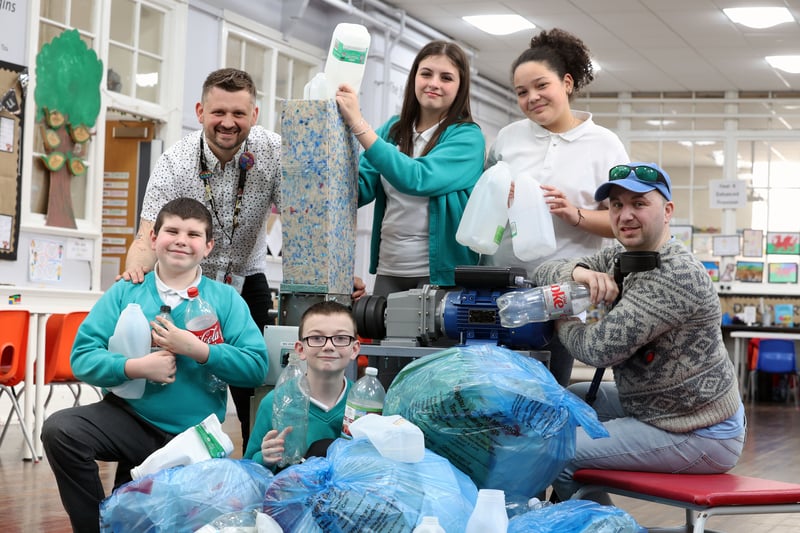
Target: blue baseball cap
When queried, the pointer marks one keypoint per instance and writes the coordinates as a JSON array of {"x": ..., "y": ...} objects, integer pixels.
[{"x": 636, "y": 177}]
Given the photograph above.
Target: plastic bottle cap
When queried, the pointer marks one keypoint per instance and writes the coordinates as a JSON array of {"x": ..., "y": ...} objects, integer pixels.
[
  {"x": 166, "y": 309},
  {"x": 371, "y": 371},
  {"x": 192, "y": 292}
]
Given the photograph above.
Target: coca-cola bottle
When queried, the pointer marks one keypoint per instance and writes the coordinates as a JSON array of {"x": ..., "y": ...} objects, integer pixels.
[
  {"x": 201, "y": 319},
  {"x": 541, "y": 304}
]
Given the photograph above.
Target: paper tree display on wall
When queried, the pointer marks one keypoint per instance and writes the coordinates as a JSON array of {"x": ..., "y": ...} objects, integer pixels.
[{"x": 68, "y": 76}]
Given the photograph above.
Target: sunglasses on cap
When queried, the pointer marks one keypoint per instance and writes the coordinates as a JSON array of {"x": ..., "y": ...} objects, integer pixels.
[{"x": 642, "y": 173}]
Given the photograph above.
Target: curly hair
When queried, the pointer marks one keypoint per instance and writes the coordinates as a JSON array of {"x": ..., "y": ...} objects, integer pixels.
[{"x": 563, "y": 52}]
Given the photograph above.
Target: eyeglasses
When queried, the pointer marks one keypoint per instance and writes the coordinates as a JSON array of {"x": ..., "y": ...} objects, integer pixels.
[
  {"x": 318, "y": 341},
  {"x": 642, "y": 173}
]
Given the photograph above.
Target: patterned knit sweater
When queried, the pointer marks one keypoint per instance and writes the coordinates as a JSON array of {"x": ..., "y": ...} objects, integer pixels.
[{"x": 663, "y": 340}]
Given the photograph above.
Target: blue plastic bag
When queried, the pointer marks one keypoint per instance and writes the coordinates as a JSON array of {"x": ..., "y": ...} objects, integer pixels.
[
  {"x": 354, "y": 489},
  {"x": 497, "y": 415},
  {"x": 185, "y": 498},
  {"x": 575, "y": 516}
]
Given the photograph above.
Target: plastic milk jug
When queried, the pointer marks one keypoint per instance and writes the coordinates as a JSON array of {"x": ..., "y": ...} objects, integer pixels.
[
  {"x": 531, "y": 223},
  {"x": 393, "y": 436},
  {"x": 484, "y": 219},
  {"x": 347, "y": 57},
  {"x": 489, "y": 515},
  {"x": 131, "y": 338},
  {"x": 429, "y": 524},
  {"x": 204, "y": 441}
]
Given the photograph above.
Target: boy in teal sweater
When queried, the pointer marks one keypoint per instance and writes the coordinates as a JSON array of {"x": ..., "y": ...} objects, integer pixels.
[
  {"x": 177, "y": 394},
  {"x": 327, "y": 343}
]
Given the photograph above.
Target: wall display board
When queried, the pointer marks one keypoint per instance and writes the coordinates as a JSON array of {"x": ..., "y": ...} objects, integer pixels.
[{"x": 13, "y": 85}]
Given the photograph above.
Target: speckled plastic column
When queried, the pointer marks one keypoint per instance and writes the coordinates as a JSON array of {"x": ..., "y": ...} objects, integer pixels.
[{"x": 319, "y": 198}]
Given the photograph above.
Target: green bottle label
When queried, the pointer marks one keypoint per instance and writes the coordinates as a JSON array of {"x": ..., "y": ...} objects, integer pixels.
[
  {"x": 215, "y": 449},
  {"x": 348, "y": 55}
]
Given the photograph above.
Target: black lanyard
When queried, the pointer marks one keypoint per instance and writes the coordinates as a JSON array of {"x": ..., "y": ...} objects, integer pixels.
[
  {"x": 624, "y": 264},
  {"x": 245, "y": 164}
]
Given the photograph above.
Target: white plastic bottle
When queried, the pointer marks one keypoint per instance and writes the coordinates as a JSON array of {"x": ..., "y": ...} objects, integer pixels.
[
  {"x": 290, "y": 408},
  {"x": 317, "y": 88},
  {"x": 201, "y": 319},
  {"x": 204, "y": 441},
  {"x": 489, "y": 515},
  {"x": 484, "y": 220},
  {"x": 530, "y": 221},
  {"x": 347, "y": 57},
  {"x": 131, "y": 338},
  {"x": 541, "y": 304},
  {"x": 365, "y": 397},
  {"x": 429, "y": 524}
]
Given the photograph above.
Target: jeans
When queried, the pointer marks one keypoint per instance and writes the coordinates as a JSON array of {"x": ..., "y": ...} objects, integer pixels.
[{"x": 638, "y": 446}]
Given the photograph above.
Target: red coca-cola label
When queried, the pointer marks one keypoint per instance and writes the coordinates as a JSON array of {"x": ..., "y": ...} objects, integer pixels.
[
  {"x": 210, "y": 335},
  {"x": 559, "y": 296}
]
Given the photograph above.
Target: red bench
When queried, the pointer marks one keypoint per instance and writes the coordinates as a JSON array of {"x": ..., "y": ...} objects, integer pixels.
[{"x": 706, "y": 495}]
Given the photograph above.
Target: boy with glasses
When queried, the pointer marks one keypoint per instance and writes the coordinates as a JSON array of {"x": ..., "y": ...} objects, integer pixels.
[
  {"x": 327, "y": 342},
  {"x": 674, "y": 406}
]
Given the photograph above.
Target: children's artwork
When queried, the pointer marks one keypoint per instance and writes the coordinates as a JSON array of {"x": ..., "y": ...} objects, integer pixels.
[
  {"x": 784, "y": 315},
  {"x": 782, "y": 273},
  {"x": 725, "y": 245},
  {"x": 750, "y": 271},
  {"x": 752, "y": 243},
  {"x": 712, "y": 267},
  {"x": 727, "y": 268},
  {"x": 683, "y": 234},
  {"x": 783, "y": 243},
  {"x": 702, "y": 244}
]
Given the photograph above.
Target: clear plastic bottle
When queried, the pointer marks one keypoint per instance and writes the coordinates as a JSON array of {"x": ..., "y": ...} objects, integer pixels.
[
  {"x": 166, "y": 314},
  {"x": 131, "y": 338},
  {"x": 429, "y": 524},
  {"x": 541, "y": 304},
  {"x": 489, "y": 515},
  {"x": 201, "y": 319},
  {"x": 365, "y": 397},
  {"x": 290, "y": 408}
]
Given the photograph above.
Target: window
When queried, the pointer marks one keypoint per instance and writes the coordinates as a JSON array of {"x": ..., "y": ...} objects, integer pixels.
[{"x": 280, "y": 71}]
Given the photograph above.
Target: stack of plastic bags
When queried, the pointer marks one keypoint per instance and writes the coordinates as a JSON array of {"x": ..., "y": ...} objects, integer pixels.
[
  {"x": 497, "y": 415},
  {"x": 355, "y": 489}
]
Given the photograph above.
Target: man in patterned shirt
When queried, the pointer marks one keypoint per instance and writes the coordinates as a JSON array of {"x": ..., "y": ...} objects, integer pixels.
[{"x": 232, "y": 165}]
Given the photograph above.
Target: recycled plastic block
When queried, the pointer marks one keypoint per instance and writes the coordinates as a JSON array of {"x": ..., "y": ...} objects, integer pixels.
[{"x": 319, "y": 196}]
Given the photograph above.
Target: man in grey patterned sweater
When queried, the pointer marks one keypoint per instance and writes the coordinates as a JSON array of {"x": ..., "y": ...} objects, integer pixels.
[{"x": 674, "y": 405}]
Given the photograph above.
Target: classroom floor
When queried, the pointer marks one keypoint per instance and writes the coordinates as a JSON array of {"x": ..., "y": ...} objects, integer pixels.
[{"x": 30, "y": 500}]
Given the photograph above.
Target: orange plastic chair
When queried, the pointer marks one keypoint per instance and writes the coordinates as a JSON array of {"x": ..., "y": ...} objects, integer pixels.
[
  {"x": 13, "y": 350},
  {"x": 59, "y": 336}
]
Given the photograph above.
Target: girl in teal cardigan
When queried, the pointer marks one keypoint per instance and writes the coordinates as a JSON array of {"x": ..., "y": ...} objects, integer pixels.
[{"x": 419, "y": 168}]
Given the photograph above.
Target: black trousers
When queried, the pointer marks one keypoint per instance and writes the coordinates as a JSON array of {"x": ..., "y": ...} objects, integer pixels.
[
  {"x": 255, "y": 292},
  {"x": 74, "y": 438}
]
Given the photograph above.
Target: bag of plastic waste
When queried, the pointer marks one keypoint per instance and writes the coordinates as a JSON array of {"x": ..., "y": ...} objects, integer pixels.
[
  {"x": 497, "y": 415},
  {"x": 355, "y": 489},
  {"x": 185, "y": 498},
  {"x": 575, "y": 516}
]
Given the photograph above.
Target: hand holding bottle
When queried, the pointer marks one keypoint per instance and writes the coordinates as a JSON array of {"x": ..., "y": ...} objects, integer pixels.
[
  {"x": 176, "y": 340},
  {"x": 273, "y": 446}
]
